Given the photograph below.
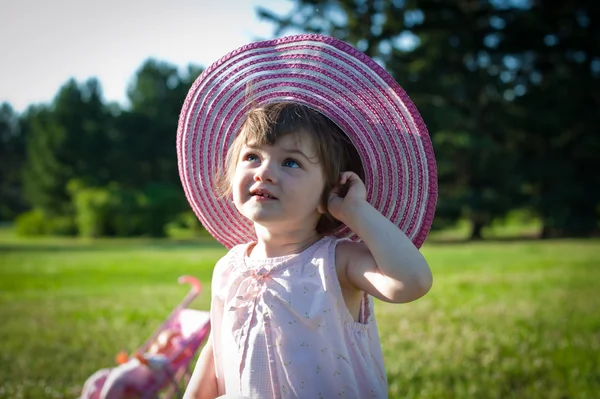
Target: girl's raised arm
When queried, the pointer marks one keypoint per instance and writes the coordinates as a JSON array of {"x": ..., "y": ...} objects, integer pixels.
[{"x": 387, "y": 265}]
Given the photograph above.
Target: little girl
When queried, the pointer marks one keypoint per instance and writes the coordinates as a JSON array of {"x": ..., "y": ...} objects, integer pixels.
[{"x": 280, "y": 180}]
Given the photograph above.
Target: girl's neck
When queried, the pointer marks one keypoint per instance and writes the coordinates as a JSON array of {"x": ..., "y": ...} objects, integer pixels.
[{"x": 270, "y": 246}]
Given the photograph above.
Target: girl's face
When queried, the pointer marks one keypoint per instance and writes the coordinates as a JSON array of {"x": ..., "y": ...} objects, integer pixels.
[{"x": 279, "y": 186}]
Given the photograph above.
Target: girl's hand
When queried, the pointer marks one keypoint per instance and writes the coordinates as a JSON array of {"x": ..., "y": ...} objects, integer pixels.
[{"x": 349, "y": 193}]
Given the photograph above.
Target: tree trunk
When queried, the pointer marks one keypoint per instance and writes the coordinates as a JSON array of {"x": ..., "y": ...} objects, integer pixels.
[
  {"x": 545, "y": 231},
  {"x": 476, "y": 228}
]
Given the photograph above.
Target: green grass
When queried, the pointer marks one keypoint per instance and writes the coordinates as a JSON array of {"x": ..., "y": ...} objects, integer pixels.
[{"x": 518, "y": 319}]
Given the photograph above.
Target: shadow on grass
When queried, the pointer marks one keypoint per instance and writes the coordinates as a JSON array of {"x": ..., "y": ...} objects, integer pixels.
[
  {"x": 76, "y": 245},
  {"x": 504, "y": 239},
  {"x": 168, "y": 244},
  {"x": 463, "y": 240}
]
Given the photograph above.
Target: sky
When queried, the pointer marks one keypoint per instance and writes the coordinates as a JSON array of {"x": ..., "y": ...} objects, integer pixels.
[{"x": 44, "y": 43}]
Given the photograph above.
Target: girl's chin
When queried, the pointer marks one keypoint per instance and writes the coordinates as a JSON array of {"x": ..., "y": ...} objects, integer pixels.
[{"x": 262, "y": 215}]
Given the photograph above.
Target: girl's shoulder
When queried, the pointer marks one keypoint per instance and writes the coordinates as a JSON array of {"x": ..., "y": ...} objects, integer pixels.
[
  {"x": 227, "y": 263},
  {"x": 346, "y": 249},
  {"x": 233, "y": 255}
]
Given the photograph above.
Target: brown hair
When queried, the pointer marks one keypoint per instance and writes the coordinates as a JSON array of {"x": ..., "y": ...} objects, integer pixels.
[{"x": 265, "y": 125}]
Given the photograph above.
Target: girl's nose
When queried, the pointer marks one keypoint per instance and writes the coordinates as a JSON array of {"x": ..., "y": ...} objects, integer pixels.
[{"x": 265, "y": 172}]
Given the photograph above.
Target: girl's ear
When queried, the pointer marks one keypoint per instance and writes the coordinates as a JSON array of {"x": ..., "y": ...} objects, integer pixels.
[
  {"x": 322, "y": 209},
  {"x": 325, "y": 197}
]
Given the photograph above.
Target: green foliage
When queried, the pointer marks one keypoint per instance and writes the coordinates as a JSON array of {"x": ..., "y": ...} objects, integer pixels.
[
  {"x": 116, "y": 211},
  {"x": 36, "y": 223},
  {"x": 185, "y": 225},
  {"x": 31, "y": 223},
  {"x": 112, "y": 170},
  {"x": 64, "y": 141},
  {"x": 127, "y": 216},
  {"x": 93, "y": 210},
  {"x": 63, "y": 225},
  {"x": 190, "y": 221},
  {"x": 12, "y": 154},
  {"x": 44, "y": 174},
  {"x": 508, "y": 90},
  {"x": 161, "y": 204},
  {"x": 557, "y": 123}
]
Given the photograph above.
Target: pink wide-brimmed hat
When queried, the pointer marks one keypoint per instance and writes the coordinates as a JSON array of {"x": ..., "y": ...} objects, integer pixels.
[{"x": 334, "y": 79}]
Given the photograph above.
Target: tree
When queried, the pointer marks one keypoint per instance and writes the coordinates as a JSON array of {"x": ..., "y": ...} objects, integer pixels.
[
  {"x": 66, "y": 140},
  {"x": 146, "y": 132},
  {"x": 12, "y": 152},
  {"x": 442, "y": 55},
  {"x": 555, "y": 58},
  {"x": 145, "y": 140}
]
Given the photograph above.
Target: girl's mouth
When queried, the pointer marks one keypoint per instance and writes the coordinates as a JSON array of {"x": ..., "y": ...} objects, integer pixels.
[
  {"x": 263, "y": 197},
  {"x": 262, "y": 194}
]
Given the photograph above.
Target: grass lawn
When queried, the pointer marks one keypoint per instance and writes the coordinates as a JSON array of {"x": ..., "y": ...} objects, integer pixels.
[{"x": 513, "y": 319}]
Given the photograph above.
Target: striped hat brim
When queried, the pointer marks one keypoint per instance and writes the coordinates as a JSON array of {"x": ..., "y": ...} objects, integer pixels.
[{"x": 333, "y": 78}]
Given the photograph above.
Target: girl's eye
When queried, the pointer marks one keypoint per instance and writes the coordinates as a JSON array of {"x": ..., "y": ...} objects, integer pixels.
[
  {"x": 290, "y": 163},
  {"x": 250, "y": 157}
]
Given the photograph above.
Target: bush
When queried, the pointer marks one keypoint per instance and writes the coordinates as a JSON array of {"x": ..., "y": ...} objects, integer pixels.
[
  {"x": 62, "y": 226},
  {"x": 185, "y": 225},
  {"x": 92, "y": 207},
  {"x": 108, "y": 211},
  {"x": 31, "y": 223},
  {"x": 127, "y": 216},
  {"x": 116, "y": 211},
  {"x": 190, "y": 221},
  {"x": 162, "y": 203},
  {"x": 36, "y": 223}
]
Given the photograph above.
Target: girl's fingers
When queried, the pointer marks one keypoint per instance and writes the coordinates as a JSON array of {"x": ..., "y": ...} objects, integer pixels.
[
  {"x": 348, "y": 177},
  {"x": 342, "y": 179},
  {"x": 332, "y": 196},
  {"x": 347, "y": 180}
]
